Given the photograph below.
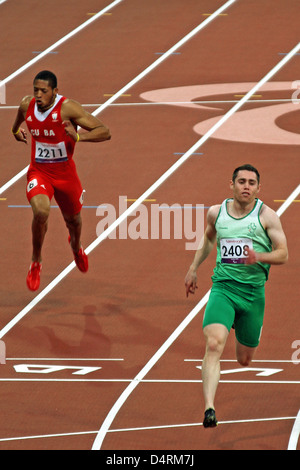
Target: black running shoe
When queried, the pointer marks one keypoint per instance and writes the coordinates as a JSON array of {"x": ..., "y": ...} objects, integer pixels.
[{"x": 210, "y": 420}]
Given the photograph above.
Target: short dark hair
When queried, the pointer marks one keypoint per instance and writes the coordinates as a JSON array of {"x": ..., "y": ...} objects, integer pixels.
[
  {"x": 47, "y": 76},
  {"x": 248, "y": 168}
]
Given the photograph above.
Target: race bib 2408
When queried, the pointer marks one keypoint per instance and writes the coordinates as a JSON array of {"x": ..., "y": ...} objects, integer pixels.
[{"x": 235, "y": 250}]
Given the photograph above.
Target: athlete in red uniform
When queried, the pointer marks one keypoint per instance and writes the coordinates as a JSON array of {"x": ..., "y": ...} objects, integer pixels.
[{"x": 52, "y": 121}]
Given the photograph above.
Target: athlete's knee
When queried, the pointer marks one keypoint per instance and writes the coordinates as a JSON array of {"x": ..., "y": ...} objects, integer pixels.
[
  {"x": 41, "y": 215},
  {"x": 216, "y": 337},
  {"x": 73, "y": 222},
  {"x": 214, "y": 345},
  {"x": 41, "y": 208}
]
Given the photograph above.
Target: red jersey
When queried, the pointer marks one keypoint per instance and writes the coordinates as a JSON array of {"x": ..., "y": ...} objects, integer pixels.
[{"x": 50, "y": 143}]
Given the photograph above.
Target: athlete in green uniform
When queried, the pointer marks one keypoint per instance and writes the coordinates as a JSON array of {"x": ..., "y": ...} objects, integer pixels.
[{"x": 249, "y": 239}]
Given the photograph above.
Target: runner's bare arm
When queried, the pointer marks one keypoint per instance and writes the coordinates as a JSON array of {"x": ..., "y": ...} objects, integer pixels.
[
  {"x": 19, "y": 133},
  {"x": 279, "y": 254},
  {"x": 205, "y": 247},
  {"x": 74, "y": 114}
]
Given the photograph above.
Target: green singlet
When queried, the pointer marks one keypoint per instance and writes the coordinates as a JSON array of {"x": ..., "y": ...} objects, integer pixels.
[{"x": 237, "y": 297}]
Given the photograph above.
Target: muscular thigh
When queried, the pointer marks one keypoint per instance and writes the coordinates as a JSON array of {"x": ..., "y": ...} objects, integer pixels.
[
  {"x": 69, "y": 194},
  {"x": 38, "y": 184},
  {"x": 238, "y": 306},
  {"x": 220, "y": 308},
  {"x": 249, "y": 320}
]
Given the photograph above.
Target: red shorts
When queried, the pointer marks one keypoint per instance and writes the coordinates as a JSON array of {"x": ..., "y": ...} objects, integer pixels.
[{"x": 59, "y": 180}]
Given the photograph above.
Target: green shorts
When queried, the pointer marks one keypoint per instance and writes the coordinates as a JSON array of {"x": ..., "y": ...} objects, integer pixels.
[{"x": 240, "y": 305}]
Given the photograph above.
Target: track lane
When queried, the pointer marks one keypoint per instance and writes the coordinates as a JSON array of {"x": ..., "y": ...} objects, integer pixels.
[
  {"x": 147, "y": 41},
  {"x": 133, "y": 207},
  {"x": 129, "y": 308},
  {"x": 202, "y": 25},
  {"x": 45, "y": 22}
]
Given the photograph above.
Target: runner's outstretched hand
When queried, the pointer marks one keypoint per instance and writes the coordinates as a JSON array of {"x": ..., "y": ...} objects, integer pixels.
[{"x": 191, "y": 282}]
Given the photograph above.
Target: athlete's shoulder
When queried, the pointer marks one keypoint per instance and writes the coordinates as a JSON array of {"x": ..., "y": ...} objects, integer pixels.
[
  {"x": 213, "y": 213},
  {"x": 25, "y": 103},
  {"x": 268, "y": 216},
  {"x": 266, "y": 210},
  {"x": 71, "y": 107}
]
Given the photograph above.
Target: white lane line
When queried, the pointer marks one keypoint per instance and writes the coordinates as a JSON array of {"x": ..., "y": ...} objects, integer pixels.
[
  {"x": 148, "y": 428},
  {"x": 288, "y": 202},
  {"x": 293, "y": 442},
  {"x": 163, "y": 103},
  {"x": 173, "y": 426},
  {"x": 37, "y": 299},
  {"x": 110, "y": 229},
  {"x": 44, "y": 436},
  {"x": 140, "y": 377},
  {"x": 102, "y": 432},
  {"x": 14, "y": 180},
  {"x": 167, "y": 54},
  {"x": 138, "y": 77},
  {"x": 39, "y": 57},
  {"x": 119, "y": 403},
  {"x": 59, "y": 42},
  {"x": 155, "y": 381},
  {"x": 149, "y": 191}
]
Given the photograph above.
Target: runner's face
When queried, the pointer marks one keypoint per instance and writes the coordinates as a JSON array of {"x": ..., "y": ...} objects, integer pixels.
[
  {"x": 246, "y": 187},
  {"x": 44, "y": 95}
]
